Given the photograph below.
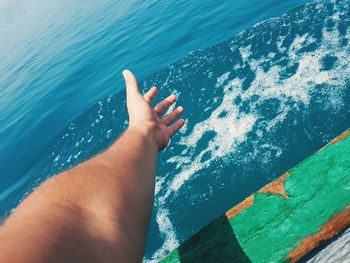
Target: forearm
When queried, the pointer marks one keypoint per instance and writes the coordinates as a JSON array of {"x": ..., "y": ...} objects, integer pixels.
[
  {"x": 99, "y": 210},
  {"x": 106, "y": 199},
  {"x": 121, "y": 182},
  {"x": 132, "y": 163}
]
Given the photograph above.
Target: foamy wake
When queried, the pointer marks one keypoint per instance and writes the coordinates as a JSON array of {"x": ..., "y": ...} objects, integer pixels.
[{"x": 231, "y": 126}]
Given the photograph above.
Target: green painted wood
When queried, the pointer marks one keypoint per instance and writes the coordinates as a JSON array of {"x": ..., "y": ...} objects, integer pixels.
[{"x": 284, "y": 220}]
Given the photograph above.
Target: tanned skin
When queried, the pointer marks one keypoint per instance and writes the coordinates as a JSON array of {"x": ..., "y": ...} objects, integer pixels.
[{"x": 98, "y": 211}]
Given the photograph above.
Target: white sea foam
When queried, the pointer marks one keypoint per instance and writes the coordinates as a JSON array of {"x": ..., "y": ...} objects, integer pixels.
[
  {"x": 231, "y": 129},
  {"x": 165, "y": 226}
]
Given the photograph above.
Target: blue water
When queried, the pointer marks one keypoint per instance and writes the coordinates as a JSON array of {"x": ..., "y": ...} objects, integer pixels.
[{"x": 259, "y": 98}]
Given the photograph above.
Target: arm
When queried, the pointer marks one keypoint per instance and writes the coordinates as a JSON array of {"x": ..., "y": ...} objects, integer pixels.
[{"x": 98, "y": 211}]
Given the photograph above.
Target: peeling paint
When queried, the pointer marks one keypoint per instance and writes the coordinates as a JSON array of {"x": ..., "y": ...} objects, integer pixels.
[
  {"x": 276, "y": 187},
  {"x": 341, "y": 137},
  {"x": 338, "y": 222},
  {"x": 336, "y": 140},
  {"x": 240, "y": 207}
]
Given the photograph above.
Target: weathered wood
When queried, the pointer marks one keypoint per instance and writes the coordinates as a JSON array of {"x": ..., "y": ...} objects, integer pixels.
[{"x": 286, "y": 219}]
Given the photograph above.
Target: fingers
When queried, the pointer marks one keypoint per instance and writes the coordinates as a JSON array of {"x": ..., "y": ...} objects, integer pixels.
[
  {"x": 176, "y": 126},
  {"x": 162, "y": 106},
  {"x": 132, "y": 89},
  {"x": 149, "y": 95},
  {"x": 167, "y": 119}
]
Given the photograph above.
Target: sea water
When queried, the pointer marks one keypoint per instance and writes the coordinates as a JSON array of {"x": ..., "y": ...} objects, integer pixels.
[{"x": 259, "y": 95}]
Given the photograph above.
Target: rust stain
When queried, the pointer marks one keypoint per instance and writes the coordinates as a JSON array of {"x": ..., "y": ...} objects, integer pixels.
[
  {"x": 276, "y": 187},
  {"x": 335, "y": 224},
  {"x": 336, "y": 140},
  {"x": 240, "y": 207}
]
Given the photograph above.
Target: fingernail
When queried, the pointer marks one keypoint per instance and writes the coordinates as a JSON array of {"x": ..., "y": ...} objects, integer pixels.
[{"x": 125, "y": 71}]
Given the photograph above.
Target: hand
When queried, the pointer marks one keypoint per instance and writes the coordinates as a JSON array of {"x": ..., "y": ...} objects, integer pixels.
[{"x": 148, "y": 120}]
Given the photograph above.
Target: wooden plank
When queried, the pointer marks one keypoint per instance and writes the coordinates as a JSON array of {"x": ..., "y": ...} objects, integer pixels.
[{"x": 286, "y": 219}]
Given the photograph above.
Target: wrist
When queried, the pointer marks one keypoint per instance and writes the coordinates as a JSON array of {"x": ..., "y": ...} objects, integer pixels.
[{"x": 146, "y": 132}]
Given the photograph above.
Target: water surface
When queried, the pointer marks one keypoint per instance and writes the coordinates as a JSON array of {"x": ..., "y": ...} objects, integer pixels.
[{"x": 259, "y": 98}]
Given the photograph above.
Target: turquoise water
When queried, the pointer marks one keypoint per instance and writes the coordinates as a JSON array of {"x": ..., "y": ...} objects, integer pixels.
[{"x": 259, "y": 98}]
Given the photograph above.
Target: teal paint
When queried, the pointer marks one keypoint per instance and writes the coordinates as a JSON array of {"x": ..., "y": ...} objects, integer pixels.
[
  {"x": 317, "y": 189},
  {"x": 273, "y": 226}
]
